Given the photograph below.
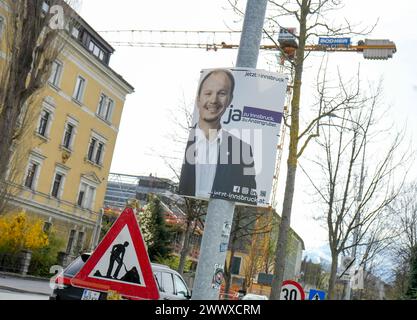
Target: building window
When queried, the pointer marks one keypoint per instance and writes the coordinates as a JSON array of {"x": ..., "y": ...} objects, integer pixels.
[
  {"x": 99, "y": 153},
  {"x": 81, "y": 196},
  {"x": 75, "y": 32},
  {"x": 70, "y": 241},
  {"x": 109, "y": 111},
  {"x": 57, "y": 185},
  {"x": 56, "y": 73},
  {"x": 47, "y": 227},
  {"x": 80, "y": 242},
  {"x": 96, "y": 151},
  {"x": 105, "y": 108},
  {"x": 33, "y": 170},
  {"x": 235, "y": 267},
  {"x": 96, "y": 50},
  {"x": 31, "y": 175},
  {"x": 102, "y": 105},
  {"x": 68, "y": 136},
  {"x": 44, "y": 121},
  {"x": 79, "y": 89},
  {"x": 69, "y": 133},
  {"x": 91, "y": 149},
  {"x": 86, "y": 196},
  {"x": 46, "y": 118}
]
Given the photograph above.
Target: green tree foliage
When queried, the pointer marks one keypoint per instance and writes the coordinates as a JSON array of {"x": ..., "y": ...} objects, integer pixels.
[
  {"x": 174, "y": 261},
  {"x": 109, "y": 217},
  {"x": 156, "y": 234},
  {"x": 44, "y": 258}
]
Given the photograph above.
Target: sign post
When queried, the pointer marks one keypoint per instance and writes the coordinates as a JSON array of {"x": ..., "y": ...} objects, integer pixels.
[{"x": 220, "y": 212}]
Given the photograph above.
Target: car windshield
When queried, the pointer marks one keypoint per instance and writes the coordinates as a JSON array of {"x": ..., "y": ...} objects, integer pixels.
[{"x": 74, "y": 267}]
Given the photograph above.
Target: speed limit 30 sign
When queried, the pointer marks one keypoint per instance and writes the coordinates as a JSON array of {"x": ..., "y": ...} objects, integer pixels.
[{"x": 292, "y": 290}]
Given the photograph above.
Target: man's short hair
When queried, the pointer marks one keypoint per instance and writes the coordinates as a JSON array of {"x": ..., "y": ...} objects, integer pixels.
[{"x": 215, "y": 71}]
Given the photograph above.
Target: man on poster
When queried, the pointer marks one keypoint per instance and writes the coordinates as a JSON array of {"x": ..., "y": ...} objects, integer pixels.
[{"x": 217, "y": 164}]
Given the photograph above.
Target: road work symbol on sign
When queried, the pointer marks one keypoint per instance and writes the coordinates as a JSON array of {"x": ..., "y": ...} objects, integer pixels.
[
  {"x": 120, "y": 263},
  {"x": 117, "y": 255}
]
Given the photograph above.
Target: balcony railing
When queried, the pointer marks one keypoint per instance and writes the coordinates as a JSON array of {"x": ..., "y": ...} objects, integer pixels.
[{"x": 25, "y": 194}]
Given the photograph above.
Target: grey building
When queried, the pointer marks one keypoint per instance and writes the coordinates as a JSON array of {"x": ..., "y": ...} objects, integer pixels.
[{"x": 122, "y": 187}]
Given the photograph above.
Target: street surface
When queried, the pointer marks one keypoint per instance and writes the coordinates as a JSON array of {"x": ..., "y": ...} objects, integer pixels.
[
  {"x": 18, "y": 288},
  {"x": 8, "y": 295}
]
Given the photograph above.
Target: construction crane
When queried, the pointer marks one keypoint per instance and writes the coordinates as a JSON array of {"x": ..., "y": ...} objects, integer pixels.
[
  {"x": 286, "y": 44},
  {"x": 215, "y": 40}
]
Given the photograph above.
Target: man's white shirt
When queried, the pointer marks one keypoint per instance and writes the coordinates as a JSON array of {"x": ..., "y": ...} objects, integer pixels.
[{"x": 207, "y": 153}]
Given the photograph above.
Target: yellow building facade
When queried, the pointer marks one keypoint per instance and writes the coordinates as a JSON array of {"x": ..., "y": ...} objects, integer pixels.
[{"x": 65, "y": 156}]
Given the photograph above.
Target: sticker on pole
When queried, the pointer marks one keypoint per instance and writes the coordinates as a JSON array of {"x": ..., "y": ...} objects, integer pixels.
[
  {"x": 218, "y": 276},
  {"x": 120, "y": 263},
  {"x": 292, "y": 290}
]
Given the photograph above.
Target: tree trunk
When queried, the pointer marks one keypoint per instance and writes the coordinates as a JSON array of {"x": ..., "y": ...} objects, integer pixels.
[
  {"x": 30, "y": 52},
  {"x": 332, "y": 280},
  {"x": 185, "y": 248},
  {"x": 7, "y": 118},
  {"x": 281, "y": 247},
  {"x": 292, "y": 161}
]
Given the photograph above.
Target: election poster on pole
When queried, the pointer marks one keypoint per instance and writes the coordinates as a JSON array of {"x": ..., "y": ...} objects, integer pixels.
[{"x": 232, "y": 145}]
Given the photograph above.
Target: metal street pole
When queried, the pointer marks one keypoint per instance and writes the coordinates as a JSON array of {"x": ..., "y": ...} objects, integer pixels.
[
  {"x": 251, "y": 37},
  {"x": 220, "y": 213}
]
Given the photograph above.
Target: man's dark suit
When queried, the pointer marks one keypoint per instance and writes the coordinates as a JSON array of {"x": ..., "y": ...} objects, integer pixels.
[{"x": 235, "y": 158}]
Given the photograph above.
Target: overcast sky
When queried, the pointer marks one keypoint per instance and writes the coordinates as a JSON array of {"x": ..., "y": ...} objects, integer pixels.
[{"x": 166, "y": 78}]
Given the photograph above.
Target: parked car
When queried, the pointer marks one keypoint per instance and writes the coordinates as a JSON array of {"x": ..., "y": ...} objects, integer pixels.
[
  {"x": 252, "y": 296},
  {"x": 170, "y": 283}
]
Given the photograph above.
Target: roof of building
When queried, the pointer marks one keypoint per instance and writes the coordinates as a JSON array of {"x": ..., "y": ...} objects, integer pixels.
[
  {"x": 296, "y": 235},
  {"x": 97, "y": 37}
]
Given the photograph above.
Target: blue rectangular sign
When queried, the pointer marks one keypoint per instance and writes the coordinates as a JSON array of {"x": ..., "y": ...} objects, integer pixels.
[
  {"x": 334, "y": 42},
  {"x": 316, "y": 295}
]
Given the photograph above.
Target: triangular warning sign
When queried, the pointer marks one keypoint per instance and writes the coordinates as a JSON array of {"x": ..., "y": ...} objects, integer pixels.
[{"x": 120, "y": 262}]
